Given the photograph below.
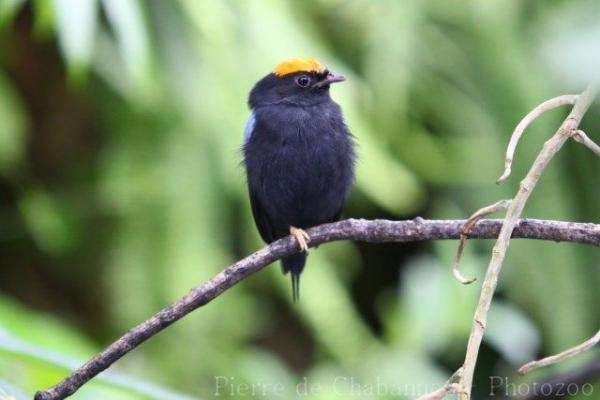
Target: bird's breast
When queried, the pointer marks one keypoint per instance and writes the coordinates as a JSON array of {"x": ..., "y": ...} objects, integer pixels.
[{"x": 301, "y": 164}]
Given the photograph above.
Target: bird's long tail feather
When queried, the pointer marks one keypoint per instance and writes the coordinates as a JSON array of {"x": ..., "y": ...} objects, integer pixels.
[{"x": 294, "y": 264}]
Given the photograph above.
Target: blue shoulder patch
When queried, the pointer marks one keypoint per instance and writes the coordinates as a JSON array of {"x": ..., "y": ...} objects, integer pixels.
[{"x": 249, "y": 127}]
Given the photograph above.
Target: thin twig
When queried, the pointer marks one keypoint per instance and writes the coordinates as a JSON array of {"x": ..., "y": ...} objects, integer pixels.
[
  {"x": 375, "y": 231},
  {"x": 553, "y": 386},
  {"x": 581, "y": 137},
  {"x": 442, "y": 392},
  {"x": 464, "y": 234},
  {"x": 450, "y": 387},
  {"x": 555, "y": 359},
  {"x": 513, "y": 213},
  {"x": 525, "y": 122}
]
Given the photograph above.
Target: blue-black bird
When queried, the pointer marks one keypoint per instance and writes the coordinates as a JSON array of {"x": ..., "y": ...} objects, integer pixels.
[{"x": 299, "y": 155}]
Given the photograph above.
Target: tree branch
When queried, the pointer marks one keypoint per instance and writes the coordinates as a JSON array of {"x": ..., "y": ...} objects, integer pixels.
[
  {"x": 452, "y": 386},
  {"x": 372, "y": 231},
  {"x": 555, "y": 386},
  {"x": 555, "y": 359},
  {"x": 525, "y": 122},
  {"x": 581, "y": 137},
  {"x": 466, "y": 228},
  {"x": 513, "y": 213}
]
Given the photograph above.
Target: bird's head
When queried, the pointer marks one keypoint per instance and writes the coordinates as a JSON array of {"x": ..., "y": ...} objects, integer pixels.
[{"x": 300, "y": 81}]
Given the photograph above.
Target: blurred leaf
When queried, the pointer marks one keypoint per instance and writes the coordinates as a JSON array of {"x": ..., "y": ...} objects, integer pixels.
[
  {"x": 274, "y": 380},
  {"x": 8, "y": 8},
  {"x": 433, "y": 308},
  {"x": 44, "y": 357},
  {"x": 401, "y": 373},
  {"x": 512, "y": 333},
  {"x": 570, "y": 40},
  {"x": 388, "y": 182},
  {"x": 127, "y": 19},
  {"x": 44, "y": 23},
  {"x": 76, "y": 28},
  {"x": 7, "y": 390},
  {"x": 12, "y": 128},
  {"x": 43, "y": 330},
  {"x": 51, "y": 225},
  {"x": 346, "y": 337}
]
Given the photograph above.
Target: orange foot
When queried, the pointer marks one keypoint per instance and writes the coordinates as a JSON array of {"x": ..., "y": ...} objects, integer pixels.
[{"x": 301, "y": 236}]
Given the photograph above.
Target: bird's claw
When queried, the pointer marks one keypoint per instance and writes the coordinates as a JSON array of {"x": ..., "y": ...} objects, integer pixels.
[{"x": 301, "y": 236}]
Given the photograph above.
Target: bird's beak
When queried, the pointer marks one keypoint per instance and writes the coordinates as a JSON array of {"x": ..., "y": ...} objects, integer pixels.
[{"x": 329, "y": 79}]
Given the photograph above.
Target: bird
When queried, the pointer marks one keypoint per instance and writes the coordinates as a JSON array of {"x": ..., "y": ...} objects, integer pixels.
[{"x": 299, "y": 156}]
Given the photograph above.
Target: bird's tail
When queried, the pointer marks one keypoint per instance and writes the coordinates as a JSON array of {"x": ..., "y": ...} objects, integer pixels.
[{"x": 294, "y": 264}]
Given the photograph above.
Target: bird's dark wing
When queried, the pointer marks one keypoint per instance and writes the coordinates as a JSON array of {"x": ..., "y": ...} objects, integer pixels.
[
  {"x": 264, "y": 225},
  {"x": 261, "y": 218}
]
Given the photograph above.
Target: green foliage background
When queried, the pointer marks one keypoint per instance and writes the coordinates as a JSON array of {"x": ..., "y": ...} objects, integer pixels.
[{"x": 121, "y": 188}]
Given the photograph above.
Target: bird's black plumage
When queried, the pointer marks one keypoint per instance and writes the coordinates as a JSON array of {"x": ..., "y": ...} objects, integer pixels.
[{"x": 299, "y": 157}]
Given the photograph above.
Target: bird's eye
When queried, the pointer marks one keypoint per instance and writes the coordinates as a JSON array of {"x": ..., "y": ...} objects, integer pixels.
[{"x": 303, "y": 81}]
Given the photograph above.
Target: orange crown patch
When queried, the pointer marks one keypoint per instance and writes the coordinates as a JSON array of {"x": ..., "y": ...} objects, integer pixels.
[{"x": 298, "y": 64}]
